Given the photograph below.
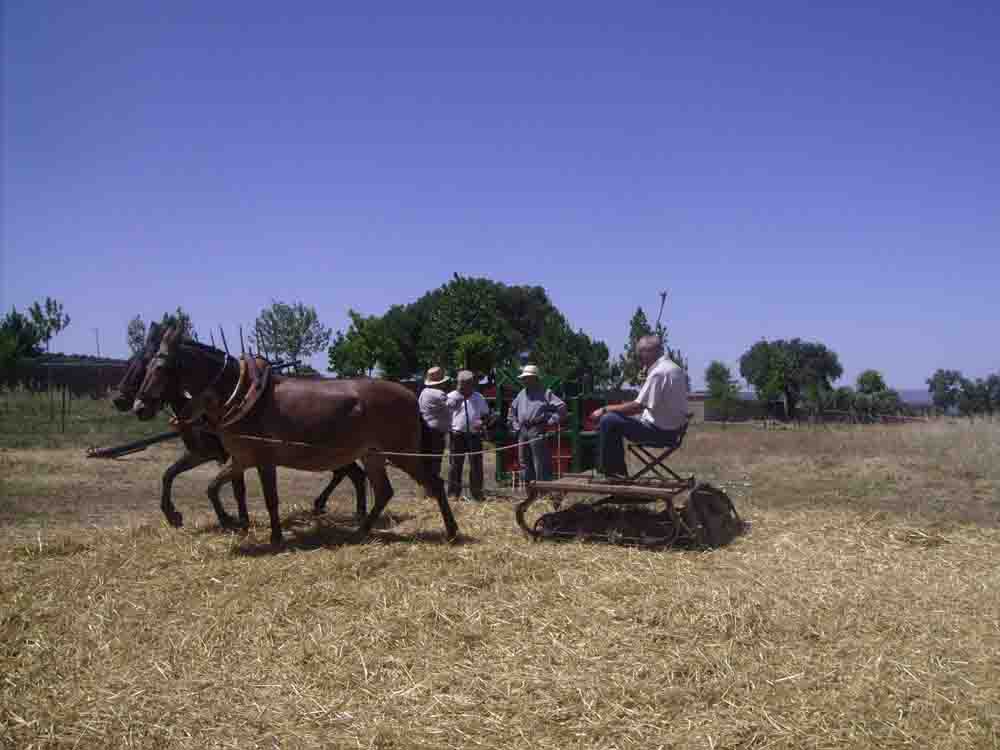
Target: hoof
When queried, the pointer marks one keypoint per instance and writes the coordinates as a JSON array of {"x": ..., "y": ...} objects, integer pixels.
[
  {"x": 359, "y": 537},
  {"x": 228, "y": 522},
  {"x": 175, "y": 519},
  {"x": 319, "y": 508},
  {"x": 276, "y": 539}
]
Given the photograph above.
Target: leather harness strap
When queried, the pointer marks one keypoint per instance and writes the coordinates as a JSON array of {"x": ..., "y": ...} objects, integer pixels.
[{"x": 258, "y": 380}]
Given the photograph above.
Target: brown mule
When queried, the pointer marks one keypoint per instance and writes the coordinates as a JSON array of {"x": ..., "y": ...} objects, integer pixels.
[
  {"x": 312, "y": 425},
  {"x": 201, "y": 446}
]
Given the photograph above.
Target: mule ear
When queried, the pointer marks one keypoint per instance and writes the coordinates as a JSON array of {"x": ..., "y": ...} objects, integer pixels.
[{"x": 154, "y": 336}]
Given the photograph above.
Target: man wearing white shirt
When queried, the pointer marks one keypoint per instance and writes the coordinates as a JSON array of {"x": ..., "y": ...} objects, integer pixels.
[
  {"x": 435, "y": 418},
  {"x": 469, "y": 411},
  {"x": 662, "y": 404}
]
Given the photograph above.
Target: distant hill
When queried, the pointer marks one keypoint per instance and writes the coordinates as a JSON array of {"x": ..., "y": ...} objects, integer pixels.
[{"x": 915, "y": 396}]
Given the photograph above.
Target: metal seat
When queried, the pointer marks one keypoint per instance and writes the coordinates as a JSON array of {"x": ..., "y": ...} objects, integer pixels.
[{"x": 653, "y": 463}]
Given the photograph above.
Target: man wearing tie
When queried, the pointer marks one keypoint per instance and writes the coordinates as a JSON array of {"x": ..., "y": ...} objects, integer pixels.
[{"x": 469, "y": 411}]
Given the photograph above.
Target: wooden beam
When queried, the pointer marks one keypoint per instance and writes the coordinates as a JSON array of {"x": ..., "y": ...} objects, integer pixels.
[{"x": 663, "y": 492}]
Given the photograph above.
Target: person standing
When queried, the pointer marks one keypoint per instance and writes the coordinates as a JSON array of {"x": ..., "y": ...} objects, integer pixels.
[
  {"x": 534, "y": 409},
  {"x": 435, "y": 418},
  {"x": 468, "y": 421}
]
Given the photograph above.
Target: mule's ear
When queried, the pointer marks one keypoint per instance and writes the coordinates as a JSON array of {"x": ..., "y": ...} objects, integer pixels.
[{"x": 154, "y": 336}]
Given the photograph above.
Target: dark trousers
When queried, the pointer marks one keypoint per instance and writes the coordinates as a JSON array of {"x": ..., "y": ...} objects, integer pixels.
[
  {"x": 462, "y": 442},
  {"x": 614, "y": 428},
  {"x": 536, "y": 457},
  {"x": 432, "y": 443}
]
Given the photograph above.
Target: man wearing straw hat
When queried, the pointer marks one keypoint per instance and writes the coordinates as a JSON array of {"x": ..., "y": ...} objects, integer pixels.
[
  {"x": 535, "y": 408},
  {"x": 435, "y": 417},
  {"x": 469, "y": 412}
]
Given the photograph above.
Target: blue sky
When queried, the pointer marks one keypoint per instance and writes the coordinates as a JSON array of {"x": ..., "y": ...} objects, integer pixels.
[{"x": 783, "y": 169}]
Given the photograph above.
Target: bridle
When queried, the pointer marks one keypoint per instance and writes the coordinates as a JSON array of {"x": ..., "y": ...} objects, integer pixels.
[{"x": 167, "y": 362}]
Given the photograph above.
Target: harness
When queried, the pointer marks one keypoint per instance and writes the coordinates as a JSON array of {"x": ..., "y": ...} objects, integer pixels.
[{"x": 252, "y": 384}]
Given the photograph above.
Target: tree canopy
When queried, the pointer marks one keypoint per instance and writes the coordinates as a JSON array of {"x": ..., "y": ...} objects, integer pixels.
[
  {"x": 48, "y": 320},
  {"x": 723, "y": 390},
  {"x": 136, "y": 334},
  {"x": 289, "y": 331},
  {"x": 21, "y": 336},
  {"x": 944, "y": 387},
  {"x": 788, "y": 368},
  {"x": 473, "y": 323}
]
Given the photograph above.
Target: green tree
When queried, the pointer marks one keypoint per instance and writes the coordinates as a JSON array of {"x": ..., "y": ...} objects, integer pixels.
[
  {"x": 289, "y": 331},
  {"x": 975, "y": 397},
  {"x": 8, "y": 354},
  {"x": 944, "y": 387},
  {"x": 513, "y": 320},
  {"x": 720, "y": 381},
  {"x": 843, "y": 398},
  {"x": 476, "y": 352},
  {"x": 23, "y": 338},
  {"x": 785, "y": 368},
  {"x": 466, "y": 306},
  {"x": 48, "y": 320},
  {"x": 871, "y": 381},
  {"x": 179, "y": 319},
  {"x": 629, "y": 365},
  {"x": 993, "y": 393},
  {"x": 366, "y": 346},
  {"x": 629, "y": 368},
  {"x": 723, "y": 390},
  {"x": 136, "y": 334}
]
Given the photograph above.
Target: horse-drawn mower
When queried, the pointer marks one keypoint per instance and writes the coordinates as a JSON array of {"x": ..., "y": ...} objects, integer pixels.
[{"x": 621, "y": 511}]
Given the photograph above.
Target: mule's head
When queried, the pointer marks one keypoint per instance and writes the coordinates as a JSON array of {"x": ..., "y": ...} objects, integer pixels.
[
  {"x": 160, "y": 378},
  {"x": 136, "y": 371}
]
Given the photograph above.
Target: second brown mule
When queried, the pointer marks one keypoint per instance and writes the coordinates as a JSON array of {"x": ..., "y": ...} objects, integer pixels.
[{"x": 312, "y": 425}]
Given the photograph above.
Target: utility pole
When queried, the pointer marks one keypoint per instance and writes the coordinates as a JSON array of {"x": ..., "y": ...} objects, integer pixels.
[{"x": 97, "y": 338}]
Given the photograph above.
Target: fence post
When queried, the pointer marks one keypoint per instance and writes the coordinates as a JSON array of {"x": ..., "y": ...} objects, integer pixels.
[
  {"x": 64, "y": 409},
  {"x": 52, "y": 401}
]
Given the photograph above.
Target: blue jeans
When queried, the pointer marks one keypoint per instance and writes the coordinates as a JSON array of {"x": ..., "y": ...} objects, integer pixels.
[
  {"x": 614, "y": 428},
  {"x": 535, "y": 458}
]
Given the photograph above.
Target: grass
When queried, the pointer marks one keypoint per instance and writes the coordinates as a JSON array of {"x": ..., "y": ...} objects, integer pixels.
[
  {"x": 30, "y": 420},
  {"x": 863, "y": 610}
]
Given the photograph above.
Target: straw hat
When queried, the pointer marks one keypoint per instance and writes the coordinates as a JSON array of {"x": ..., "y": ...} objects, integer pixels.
[
  {"x": 529, "y": 371},
  {"x": 436, "y": 376},
  {"x": 465, "y": 376}
]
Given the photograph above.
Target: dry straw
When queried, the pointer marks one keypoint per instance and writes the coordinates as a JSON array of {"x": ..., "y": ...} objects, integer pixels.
[{"x": 862, "y": 611}]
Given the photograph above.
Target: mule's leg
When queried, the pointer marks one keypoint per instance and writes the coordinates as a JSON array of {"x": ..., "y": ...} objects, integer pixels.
[
  {"x": 375, "y": 466},
  {"x": 269, "y": 483},
  {"x": 240, "y": 493},
  {"x": 186, "y": 462},
  {"x": 433, "y": 485},
  {"x": 357, "y": 476},
  {"x": 229, "y": 473},
  {"x": 359, "y": 479},
  {"x": 319, "y": 504}
]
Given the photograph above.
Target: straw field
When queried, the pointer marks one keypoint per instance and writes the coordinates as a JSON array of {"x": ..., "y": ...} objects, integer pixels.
[{"x": 862, "y": 610}]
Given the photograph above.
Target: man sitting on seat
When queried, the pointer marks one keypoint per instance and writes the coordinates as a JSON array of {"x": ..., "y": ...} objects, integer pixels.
[{"x": 662, "y": 403}]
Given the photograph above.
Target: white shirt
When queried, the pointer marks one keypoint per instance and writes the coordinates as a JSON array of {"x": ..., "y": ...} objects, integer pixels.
[
  {"x": 664, "y": 395},
  {"x": 478, "y": 410}
]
